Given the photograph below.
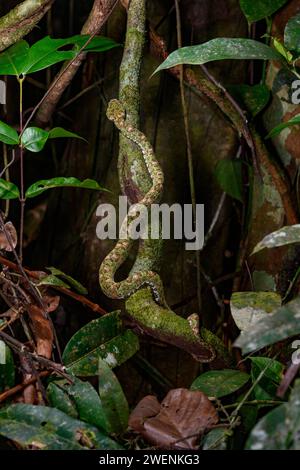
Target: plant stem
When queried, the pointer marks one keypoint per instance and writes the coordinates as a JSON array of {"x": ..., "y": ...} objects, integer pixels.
[
  {"x": 22, "y": 196},
  {"x": 188, "y": 148}
]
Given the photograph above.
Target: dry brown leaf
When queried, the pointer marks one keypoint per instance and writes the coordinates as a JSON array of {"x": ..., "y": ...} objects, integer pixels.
[
  {"x": 4, "y": 242},
  {"x": 178, "y": 422},
  {"x": 42, "y": 329}
]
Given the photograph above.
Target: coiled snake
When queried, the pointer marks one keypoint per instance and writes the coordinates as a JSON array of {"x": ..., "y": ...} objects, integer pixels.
[{"x": 123, "y": 289}]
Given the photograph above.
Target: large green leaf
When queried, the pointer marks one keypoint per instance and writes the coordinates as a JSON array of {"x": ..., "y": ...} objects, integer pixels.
[
  {"x": 113, "y": 401},
  {"x": 50, "y": 429},
  {"x": 292, "y": 34},
  {"x": 7, "y": 368},
  {"x": 277, "y": 326},
  {"x": 8, "y": 134},
  {"x": 247, "y": 308},
  {"x": 71, "y": 281},
  {"x": 219, "y": 383},
  {"x": 13, "y": 60},
  {"x": 229, "y": 176},
  {"x": 61, "y": 182},
  {"x": 20, "y": 59},
  {"x": 101, "y": 338},
  {"x": 279, "y": 429},
  {"x": 256, "y": 10},
  {"x": 34, "y": 139},
  {"x": 8, "y": 190},
  {"x": 220, "y": 49},
  {"x": 79, "y": 400},
  {"x": 294, "y": 121},
  {"x": 284, "y": 236}
]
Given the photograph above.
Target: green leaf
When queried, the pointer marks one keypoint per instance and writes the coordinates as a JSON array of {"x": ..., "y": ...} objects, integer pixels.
[
  {"x": 229, "y": 177},
  {"x": 7, "y": 369},
  {"x": 60, "y": 132},
  {"x": 79, "y": 400},
  {"x": 8, "y": 190},
  {"x": 254, "y": 98},
  {"x": 247, "y": 308},
  {"x": 294, "y": 121},
  {"x": 279, "y": 429},
  {"x": 277, "y": 326},
  {"x": 101, "y": 338},
  {"x": 21, "y": 59},
  {"x": 50, "y": 429},
  {"x": 216, "y": 440},
  {"x": 219, "y": 383},
  {"x": 72, "y": 282},
  {"x": 292, "y": 34},
  {"x": 267, "y": 387},
  {"x": 220, "y": 49},
  {"x": 8, "y": 134},
  {"x": 256, "y": 10},
  {"x": 13, "y": 61},
  {"x": 52, "y": 280},
  {"x": 34, "y": 139},
  {"x": 284, "y": 236},
  {"x": 61, "y": 182},
  {"x": 282, "y": 50},
  {"x": 113, "y": 401}
]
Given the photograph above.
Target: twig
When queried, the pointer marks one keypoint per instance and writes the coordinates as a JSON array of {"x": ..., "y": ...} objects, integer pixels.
[
  {"x": 34, "y": 275},
  {"x": 18, "y": 388}
]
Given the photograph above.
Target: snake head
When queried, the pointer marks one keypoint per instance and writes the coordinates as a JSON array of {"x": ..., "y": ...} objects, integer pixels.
[{"x": 115, "y": 111}]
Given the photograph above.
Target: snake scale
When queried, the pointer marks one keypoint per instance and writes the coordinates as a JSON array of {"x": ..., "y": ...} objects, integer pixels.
[{"x": 123, "y": 289}]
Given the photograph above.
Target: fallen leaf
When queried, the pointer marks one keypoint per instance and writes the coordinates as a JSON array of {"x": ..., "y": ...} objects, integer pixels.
[
  {"x": 178, "y": 422},
  {"x": 42, "y": 329},
  {"x": 6, "y": 244}
]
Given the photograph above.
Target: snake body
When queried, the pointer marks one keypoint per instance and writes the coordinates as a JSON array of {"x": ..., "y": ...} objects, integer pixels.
[{"x": 123, "y": 289}]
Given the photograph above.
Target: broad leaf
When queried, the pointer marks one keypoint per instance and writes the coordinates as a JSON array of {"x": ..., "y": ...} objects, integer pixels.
[
  {"x": 101, "y": 338},
  {"x": 79, "y": 400},
  {"x": 292, "y": 34},
  {"x": 247, "y": 308},
  {"x": 113, "y": 401},
  {"x": 220, "y": 49},
  {"x": 60, "y": 132},
  {"x": 61, "y": 182},
  {"x": 229, "y": 176},
  {"x": 34, "y": 139},
  {"x": 219, "y": 383},
  {"x": 294, "y": 121},
  {"x": 20, "y": 59},
  {"x": 279, "y": 429},
  {"x": 284, "y": 236},
  {"x": 277, "y": 326},
  {"x": 72, "y": 282},
  {"x": 7, "y": 368},
  {"x": 8, "y": 190},
  {"x": 13, "y": 61},
  {"x": 256, "y": 10},
  {"x": 50, "y": 429},
  {"x": 254, "y": 98},
  {"x": 8, "y": 134}
]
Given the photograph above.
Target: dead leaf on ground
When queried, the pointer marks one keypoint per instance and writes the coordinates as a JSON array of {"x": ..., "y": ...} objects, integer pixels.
[
  {"x": 4, "y": 242},
  {"x": 178, "y": 422}
]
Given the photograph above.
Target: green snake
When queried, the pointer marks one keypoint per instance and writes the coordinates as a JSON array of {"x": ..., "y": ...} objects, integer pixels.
[{"x": 123, "y": 289}]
